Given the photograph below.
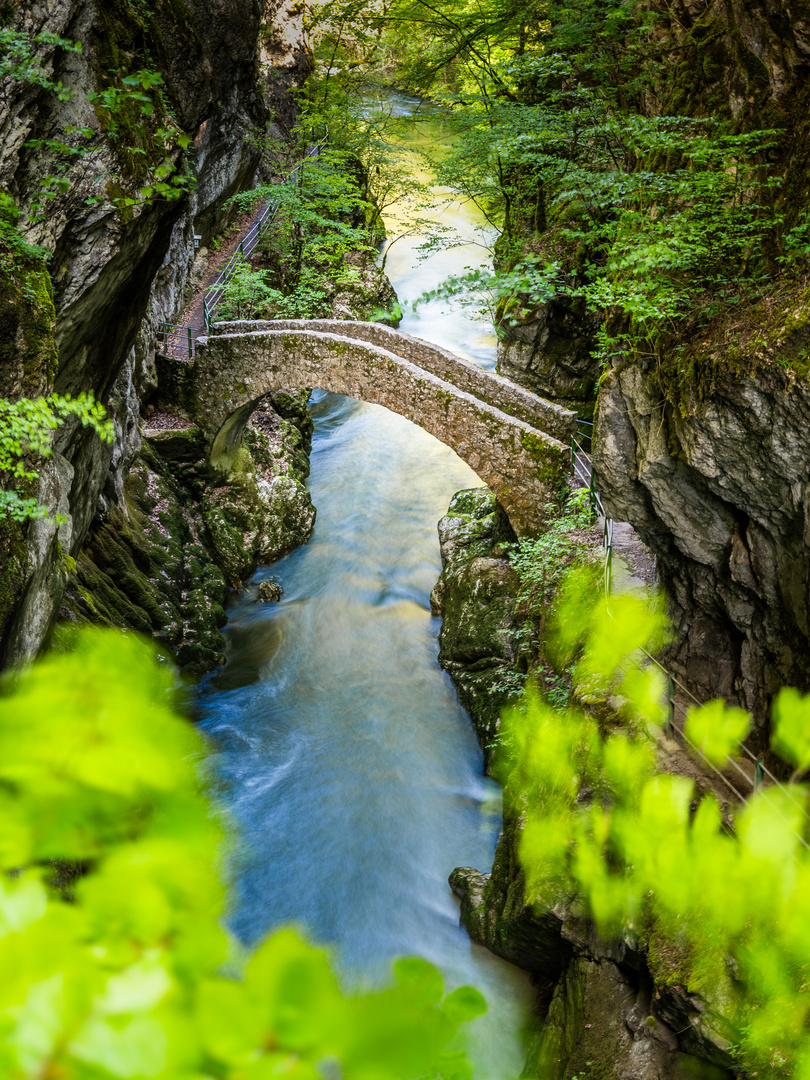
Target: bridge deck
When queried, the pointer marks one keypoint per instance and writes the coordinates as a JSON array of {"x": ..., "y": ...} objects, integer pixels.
[
  {"x": 517, "y": 443},
  {"x": 490, "y": 387}
]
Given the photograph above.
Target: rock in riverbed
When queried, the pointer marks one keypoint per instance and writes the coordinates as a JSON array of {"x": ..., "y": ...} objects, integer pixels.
[{"x": 269, "y": 592}]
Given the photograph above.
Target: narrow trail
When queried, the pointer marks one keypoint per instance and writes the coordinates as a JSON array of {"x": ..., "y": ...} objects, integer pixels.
[{"x": 193, "y": 313}]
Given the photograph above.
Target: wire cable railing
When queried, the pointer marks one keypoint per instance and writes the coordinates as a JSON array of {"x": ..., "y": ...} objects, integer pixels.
[
  {"x": 249, "y": 241},
  {"x": 582, "y": 467}
]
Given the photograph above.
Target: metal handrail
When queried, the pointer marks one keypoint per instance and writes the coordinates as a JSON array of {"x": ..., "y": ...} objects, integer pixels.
[
  {"x": 249, "y": 241},
  {"x": 174, "y": 336},
  {"x": 672, "y": 680}
]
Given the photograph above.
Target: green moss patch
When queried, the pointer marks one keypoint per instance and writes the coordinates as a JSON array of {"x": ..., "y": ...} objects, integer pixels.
[{"x": 773, "y": 333}]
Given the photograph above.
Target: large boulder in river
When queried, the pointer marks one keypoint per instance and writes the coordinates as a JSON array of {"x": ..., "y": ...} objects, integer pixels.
[{"x": 476, "y": 594}]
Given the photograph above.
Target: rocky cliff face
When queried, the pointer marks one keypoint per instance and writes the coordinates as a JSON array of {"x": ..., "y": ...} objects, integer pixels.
[
  {"x": 120, "y": 265},
  {"x": 706, "y": 458},
  {"x": 162, "y": 561},
  {"x": 719, "y": 490},
  {"x": 550, "y": 351}
]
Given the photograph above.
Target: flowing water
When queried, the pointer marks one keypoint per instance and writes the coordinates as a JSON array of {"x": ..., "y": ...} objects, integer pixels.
[{"x": 351, "y": 771}]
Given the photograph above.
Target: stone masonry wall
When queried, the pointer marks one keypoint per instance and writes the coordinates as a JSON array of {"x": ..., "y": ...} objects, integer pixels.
[
  {"x": 507, "y": 396},
  {"x": 522, "y": 465}
]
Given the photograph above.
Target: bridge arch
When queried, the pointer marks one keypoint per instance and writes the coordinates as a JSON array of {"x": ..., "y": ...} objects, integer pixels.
[{"x": 521, "y": 464}]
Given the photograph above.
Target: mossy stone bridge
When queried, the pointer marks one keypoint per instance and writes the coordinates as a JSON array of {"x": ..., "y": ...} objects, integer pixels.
[{"x": 518, "y": 443}]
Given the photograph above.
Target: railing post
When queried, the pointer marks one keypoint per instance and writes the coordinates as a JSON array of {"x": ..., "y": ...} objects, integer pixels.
[
  {"x": 669, "y": 722},
  {"x": 573, "y": 451},
  {"x": 190, "y": 343}
]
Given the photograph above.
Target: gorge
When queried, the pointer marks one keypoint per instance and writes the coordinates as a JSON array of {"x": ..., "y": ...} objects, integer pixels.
[{"x": 337, "y": 744}]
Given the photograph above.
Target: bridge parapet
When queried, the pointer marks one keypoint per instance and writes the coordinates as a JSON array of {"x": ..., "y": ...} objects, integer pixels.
[
  {"x": 522, "y": 464},
  {"x": 480, "y": 382}
]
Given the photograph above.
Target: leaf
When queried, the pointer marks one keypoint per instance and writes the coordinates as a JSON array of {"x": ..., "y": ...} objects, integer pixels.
[
  {"x": 420, "y": 979},
  {"x": 717, "y": 730},
  {"x": 465, "y": 1003},
  {"x": 791, "y": 730}
]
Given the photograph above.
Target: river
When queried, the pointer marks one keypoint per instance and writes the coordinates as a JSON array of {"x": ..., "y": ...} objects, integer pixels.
[{"x": 352, "y": 773}]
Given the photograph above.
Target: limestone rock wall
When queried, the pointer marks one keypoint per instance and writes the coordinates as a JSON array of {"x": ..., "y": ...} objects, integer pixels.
[
  {"x": 550, "y": 351},
  {"x": 119, "y": 270},
  {"x": 721, "y": 495}
]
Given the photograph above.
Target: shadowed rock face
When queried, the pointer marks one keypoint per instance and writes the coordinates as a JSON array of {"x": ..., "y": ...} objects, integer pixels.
[
  {"x": 722, "y": 496},
  {"x": 118, "y": 273},
  {"x": 550, "y": 351}
]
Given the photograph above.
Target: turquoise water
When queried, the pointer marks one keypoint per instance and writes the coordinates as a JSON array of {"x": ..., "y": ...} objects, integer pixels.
[{"x": 352, "y": 773}]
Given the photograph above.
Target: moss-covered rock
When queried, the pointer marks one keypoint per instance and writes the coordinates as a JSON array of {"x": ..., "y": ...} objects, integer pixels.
[
  {"x": 13, "y": 568},
  {"x": 27, "y": 346},
  {"x": 164, "y": 567},
  {"x": 476, "y": 594},
  {"x": 28, "y": 358},
  {"x": 497, "y": 913}
]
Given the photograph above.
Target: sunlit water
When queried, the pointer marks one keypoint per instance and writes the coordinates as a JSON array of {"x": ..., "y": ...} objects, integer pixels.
[
  {"x": 352, "y": 773},
  {"x": 444, "y": 322}
]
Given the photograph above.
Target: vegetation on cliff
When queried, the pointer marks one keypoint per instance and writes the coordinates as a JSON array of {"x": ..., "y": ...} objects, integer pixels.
[
  {"x": 644, "y": 165},
  {"x": 715, "y": 912}
]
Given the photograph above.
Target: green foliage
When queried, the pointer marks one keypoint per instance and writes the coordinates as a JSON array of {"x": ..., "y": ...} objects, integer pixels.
[
  {"x": 541, "y": 562},
  {"x": 126, "y": 971},
  {"x": 717, "y": 730},
  {"x": 21, "y": 61},
  {"x": 133, "y": 113},
  {"x": 246, "y": 292},
  {"x": 320, "y": 218},
  {"x": 722, "y": 913},
  {"x": 643, "y": 217},
  {"x": 26, "y": 429},
  {"x": 659, "y": 221},
  {"x": 791, "y": 711},
  {"x": 17, "y": 257}
]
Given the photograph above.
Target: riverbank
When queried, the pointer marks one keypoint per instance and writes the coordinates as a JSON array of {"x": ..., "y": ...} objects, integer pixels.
[
  {"x": 621, "y": 1009},
  {"x": 165, "y": 562}
]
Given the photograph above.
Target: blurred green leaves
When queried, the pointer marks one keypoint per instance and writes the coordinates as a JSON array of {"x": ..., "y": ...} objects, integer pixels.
[
  {"x": 651, "y": 854},
  {"x": 121, "y": 973},
  {"x": 717, "y": 730}
]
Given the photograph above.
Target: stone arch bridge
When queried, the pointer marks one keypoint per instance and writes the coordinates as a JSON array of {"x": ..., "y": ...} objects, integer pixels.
[{"x": 518, "y": 443}]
